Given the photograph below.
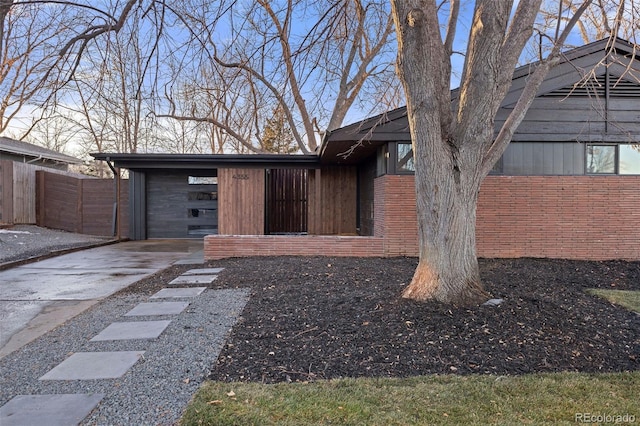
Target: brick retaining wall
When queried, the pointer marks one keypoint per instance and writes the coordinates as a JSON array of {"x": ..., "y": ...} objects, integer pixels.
[{"x": 221, "y": 246}]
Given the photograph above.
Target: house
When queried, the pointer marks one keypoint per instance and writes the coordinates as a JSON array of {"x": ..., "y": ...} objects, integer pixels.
[
  {"x": 23, "y": 152},
  {"x": 567, "y": 186}
]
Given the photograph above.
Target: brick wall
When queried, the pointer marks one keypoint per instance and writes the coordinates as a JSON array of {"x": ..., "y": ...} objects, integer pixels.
[
  {"x": 574, "y": 217},
  {"x": 571, "y": 217},
  {"x": 395, "y": 214},
  {"x": 221, "y": 246}
]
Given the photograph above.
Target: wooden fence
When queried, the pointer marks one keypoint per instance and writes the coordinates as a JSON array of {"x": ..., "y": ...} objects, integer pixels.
[
  {"x": 18, "y": 191},
  {"x": 81, "y": 204}
]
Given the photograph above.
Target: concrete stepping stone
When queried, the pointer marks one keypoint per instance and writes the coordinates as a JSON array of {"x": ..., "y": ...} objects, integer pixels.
[
  {"x": 132, "y": 330},
  {"x": 167, "y": 293},
  {"x": 157, "y": 308},
  {"x": 203, "y": 271},
  {"x": 94, "y": 365},
  {"x": 50, "y": 410},
  {"x": 194, "y": 279}
]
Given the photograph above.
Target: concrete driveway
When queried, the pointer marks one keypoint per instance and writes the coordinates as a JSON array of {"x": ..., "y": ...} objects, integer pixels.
[{"x": 39, "y": 296}]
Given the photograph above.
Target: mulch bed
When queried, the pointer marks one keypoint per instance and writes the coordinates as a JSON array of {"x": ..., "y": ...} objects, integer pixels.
[{"x": 313, "y": 318}]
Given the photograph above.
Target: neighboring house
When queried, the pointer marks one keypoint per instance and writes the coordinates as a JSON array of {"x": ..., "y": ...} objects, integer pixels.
[
  {"x": 18, "y": 164},
  {"x": 567, "y": 186},
  {"x": 23, "y": 152}
]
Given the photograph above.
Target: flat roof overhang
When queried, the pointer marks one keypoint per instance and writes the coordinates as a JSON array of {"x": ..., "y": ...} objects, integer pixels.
[{"x": 208, "y": 161}]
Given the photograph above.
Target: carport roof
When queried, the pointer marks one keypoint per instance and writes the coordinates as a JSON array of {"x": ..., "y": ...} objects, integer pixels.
[{"x": 207, "y": 161}]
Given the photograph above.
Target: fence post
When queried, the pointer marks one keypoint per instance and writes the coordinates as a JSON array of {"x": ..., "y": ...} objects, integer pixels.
[
  {"x": 40, "y": 197},
  {"x": 79, "y": 207}
]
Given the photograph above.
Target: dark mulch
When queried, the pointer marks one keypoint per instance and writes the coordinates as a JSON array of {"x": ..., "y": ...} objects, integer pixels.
[{"x": 322, "y": 318}]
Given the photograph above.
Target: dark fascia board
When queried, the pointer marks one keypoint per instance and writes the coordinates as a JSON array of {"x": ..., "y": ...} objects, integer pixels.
[
  {"x": 619, "y": 45},
  {"x": 207, "y": 161},
  {"x": 365, "y": 127},
  {"x": 355, "y": 142}
]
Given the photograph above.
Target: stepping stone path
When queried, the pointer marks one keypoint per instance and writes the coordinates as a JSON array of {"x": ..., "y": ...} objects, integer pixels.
[
  {"x": 65, "y": 409},
  {"x": 167, "y": 293},
  {"x": 71, "y": 409},
  {"x": 197, "y": 276},
  {"x": 157, "y": 308},
  {"x": 132, "y": 330}
]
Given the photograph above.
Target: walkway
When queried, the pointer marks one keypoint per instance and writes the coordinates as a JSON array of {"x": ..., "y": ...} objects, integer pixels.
[{"x": 125, "y": 361}]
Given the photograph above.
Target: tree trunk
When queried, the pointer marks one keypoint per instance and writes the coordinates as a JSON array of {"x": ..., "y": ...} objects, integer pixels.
[{"x": 448, "y": 268}]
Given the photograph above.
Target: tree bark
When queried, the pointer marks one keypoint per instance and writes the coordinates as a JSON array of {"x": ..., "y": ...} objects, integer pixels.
[
  {"x": 448, "y": 268},
  {"x": 446, "y": 199}
]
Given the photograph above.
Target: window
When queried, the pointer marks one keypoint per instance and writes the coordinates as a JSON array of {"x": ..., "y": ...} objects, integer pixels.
[
  {"x": 629, "y": 159},
  {"x": 601, "y": 159},
  {"x": 621, "y": 159},
  {"x": 195, "y": 212},
  {"x": 404, "y": 158},
  {"x": 202, "y": 195},
  {"x": 203, "y": 180},
  {"x": 382, "y": 159}
]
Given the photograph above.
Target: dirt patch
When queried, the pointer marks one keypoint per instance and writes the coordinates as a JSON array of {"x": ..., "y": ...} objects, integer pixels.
[{"x": 321, "y": 318}]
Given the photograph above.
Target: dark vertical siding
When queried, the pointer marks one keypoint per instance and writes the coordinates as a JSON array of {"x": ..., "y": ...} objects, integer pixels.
[
  {"x": 366, "y": 177},
  {"x": 543, "y": 158},
  {"x": 137, "y": 205},
  {"x": 169, "y": 207}
]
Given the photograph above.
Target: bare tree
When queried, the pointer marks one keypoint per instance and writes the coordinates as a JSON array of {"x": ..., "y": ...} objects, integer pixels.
[
  {"x": 602, "y": 19},
  {"x": 109, "y": 97},
  {"x": 281, "y": 64},
  {"x": 455, "y": 148},
  {"x": 30, "y": 39}
]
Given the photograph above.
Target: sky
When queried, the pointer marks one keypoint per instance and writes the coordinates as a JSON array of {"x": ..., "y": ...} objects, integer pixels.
[{"x": 302, "y": 25}]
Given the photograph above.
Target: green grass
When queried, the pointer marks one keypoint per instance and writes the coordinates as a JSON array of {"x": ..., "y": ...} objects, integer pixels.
[
  {"x": 448, "y": 400},
  {"x": 626, "y": 298}
]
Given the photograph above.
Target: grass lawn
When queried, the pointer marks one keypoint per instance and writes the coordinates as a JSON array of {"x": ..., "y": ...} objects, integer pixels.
[
  {"x": 627, "y": 298},
  {"x": 563, "y": 398}
]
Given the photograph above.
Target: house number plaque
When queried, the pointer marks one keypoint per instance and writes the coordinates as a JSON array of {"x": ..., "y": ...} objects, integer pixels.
[{"x": 242, "y": 177}]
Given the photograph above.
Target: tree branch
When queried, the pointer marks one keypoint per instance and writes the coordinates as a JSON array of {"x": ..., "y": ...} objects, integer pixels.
[
  {"x": 529, "y": 92},
  {"x": 217, "y": 123}
]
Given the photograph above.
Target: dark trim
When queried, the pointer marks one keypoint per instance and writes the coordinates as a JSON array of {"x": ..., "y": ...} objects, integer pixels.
[{"x": 207, "y": 161}]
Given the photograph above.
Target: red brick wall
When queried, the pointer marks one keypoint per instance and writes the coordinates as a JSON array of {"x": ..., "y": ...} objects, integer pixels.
[
  {"x": 395, "y": 214},
  {"x": 571, "y": 217},
  {"x": 221, "y": 246},
  {"x": 574, "y": 217}
]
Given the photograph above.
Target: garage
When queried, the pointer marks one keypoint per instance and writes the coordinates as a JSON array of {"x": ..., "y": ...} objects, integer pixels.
[{"x": 181, "y": 205}]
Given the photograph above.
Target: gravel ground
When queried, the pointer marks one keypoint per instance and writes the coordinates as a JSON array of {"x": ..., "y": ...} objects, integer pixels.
[
  {"x": 157, "y": 389},
  {"x": 22, "y": 242}
]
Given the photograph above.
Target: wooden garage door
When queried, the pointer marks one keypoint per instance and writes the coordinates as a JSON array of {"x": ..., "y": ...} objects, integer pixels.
[{"x": 180, "y": 205}]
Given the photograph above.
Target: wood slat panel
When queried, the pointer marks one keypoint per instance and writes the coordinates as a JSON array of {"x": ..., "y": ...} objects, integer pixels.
[
  {"x": 287, "y": 200},
  {"x": 333, "y": 203},
  {"x": 241, "y": 195},
  {"x": 79, "y": 204}
]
